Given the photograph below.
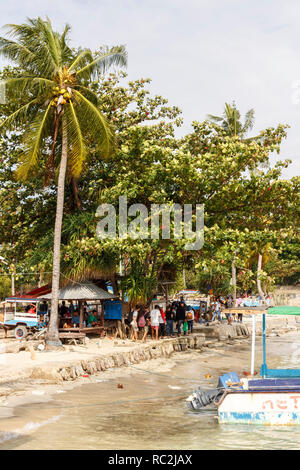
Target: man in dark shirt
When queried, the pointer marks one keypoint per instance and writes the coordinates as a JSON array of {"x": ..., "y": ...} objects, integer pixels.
[
  {"x": 180, "y": 315},
  {"x": 170, "y": 317}
]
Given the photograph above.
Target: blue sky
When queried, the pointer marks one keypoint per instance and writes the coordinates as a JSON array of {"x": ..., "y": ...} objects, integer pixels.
[{"x": 198, "y": 53}]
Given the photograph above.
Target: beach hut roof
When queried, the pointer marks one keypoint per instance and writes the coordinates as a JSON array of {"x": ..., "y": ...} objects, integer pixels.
[{"x": 81, "y": 291}]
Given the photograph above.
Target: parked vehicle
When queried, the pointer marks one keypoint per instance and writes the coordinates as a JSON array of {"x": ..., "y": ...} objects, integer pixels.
[{"x": 21, "y": 315}]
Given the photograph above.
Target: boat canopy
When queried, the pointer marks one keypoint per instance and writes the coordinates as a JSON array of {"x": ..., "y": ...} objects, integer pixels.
[
  {"x": 264, "y": 309},
  {"x": 284, "y": 310}
]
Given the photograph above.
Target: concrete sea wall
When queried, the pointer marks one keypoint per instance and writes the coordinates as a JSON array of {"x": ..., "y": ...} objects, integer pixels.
[{"x": 204, "y": 337}]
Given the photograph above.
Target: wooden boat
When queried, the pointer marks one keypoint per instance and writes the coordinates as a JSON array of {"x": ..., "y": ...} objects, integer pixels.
[{"x": 271, "y": 399}]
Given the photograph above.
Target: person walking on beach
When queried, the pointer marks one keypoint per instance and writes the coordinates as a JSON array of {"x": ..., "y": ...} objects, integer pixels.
[
  {"x": 217, "y": 311},
  {"x": 154, "y": 315}
]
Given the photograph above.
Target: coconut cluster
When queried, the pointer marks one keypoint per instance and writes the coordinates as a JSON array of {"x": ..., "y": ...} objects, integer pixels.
[{"x": 61, "y": 96}]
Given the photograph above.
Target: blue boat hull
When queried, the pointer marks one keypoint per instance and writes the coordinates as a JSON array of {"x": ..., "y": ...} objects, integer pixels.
[
  {"x": 263, "y": 418},
  {"x": 260, "y": 407}
]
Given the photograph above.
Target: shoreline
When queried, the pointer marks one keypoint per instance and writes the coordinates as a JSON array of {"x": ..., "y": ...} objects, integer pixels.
[{"x": 80, "y": 363}]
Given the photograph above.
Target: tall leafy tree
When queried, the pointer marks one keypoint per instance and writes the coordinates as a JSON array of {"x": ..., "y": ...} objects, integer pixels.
[{"x": 59, "y": 111}]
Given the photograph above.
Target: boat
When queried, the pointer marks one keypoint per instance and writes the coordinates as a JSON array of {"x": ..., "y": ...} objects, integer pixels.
[{"x": 273, "y": 398}]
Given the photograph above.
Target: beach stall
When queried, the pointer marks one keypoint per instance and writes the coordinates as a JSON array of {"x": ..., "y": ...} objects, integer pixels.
[{"x": 82, "y": 294}]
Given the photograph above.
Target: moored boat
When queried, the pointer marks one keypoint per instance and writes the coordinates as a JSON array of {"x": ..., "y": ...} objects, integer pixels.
[{"x": 272, "y": 399}]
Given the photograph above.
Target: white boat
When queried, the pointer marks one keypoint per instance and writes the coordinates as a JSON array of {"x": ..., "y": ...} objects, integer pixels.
[{"x": 271, "y": 399}]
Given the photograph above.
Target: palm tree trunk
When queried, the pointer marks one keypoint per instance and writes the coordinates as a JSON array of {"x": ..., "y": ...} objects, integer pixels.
[
  {"x": 259, "y": 266},
  {"x": 233, "y": 275},
  {"x": 52, "y": 339}
]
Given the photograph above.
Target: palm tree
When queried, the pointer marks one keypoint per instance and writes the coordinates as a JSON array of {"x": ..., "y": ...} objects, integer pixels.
[
  {"x": 60, "y": 113},
  {"x": 231, "y": 120}
]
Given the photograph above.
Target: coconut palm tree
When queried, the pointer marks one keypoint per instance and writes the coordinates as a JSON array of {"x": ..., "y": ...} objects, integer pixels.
[
  {"x": 231, "y": 120},
  {"x": 58, "y": 112}
]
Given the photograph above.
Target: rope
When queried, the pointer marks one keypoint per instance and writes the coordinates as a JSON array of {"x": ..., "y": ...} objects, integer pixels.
[{"x": 162, "y": 375}]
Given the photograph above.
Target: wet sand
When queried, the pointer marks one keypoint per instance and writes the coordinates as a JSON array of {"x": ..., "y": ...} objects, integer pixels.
[{"x": 149, "y": 412}]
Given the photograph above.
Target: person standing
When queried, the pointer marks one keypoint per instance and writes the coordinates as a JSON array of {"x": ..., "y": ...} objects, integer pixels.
[
  {"x": 239, "y": 303},
  {"x": 217, "y": 311},
  {"x": 190, "y": 316},
  {"x": 228, "y": 304},
  {"x": 154, "y": 315},
  {"x": 170, "y": 317},
  {"x": 71, "y": 308},
  {"x": 180, "y": 316},
  {"x": 134, "y": 323},
  {"x": 146, "y": 323},
  {"x": 63, "y": 309},
  {"x": 162, "y": 323}
]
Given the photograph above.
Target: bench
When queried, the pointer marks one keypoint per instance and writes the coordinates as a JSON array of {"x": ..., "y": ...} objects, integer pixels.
[{"x": 72, "y": 337}]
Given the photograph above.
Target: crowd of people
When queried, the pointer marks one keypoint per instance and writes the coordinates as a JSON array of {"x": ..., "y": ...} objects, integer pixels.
[
  {"x": 162, "y": 323},
  {"x": 178, "y": 318}
]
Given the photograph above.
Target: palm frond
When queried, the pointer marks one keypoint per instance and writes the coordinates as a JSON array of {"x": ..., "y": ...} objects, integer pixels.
[
  {"x": 82, "y": 58},
  {"x": 107, "y": 57},
  {"x": 28, "y": 83},
  {"x": 93, "y": 121},
  {"x": 37, "y": 37},
  {"x": 51, "y": 41},
  {"x": 66, "y": 51},
  {"x": 211, "y": 117},
  {"x": 16, "y": 52},
  {"x": 33, "y": 142},
  {"x": 19, "y": 116},
  {"x": 90, "y": 94},
  {"x": 77, "y": 149},
  {"x": 249, "y": 121}
]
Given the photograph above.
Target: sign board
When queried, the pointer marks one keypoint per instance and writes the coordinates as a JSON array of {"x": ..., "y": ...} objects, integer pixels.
[{"x": 113, "y": 310}]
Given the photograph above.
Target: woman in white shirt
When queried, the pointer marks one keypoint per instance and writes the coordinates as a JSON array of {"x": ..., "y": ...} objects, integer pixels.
[
  {"x": 155, "y": 314},
  {"x": 134, "y": 324}
]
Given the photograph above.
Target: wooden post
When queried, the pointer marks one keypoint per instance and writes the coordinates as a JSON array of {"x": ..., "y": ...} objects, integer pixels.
[
  {"x": 102, "y": 312},
  {"x": 253, "y": 345},
  {"x": 80, "y": 314},
  {"x": 102, "y": 317},
  {"x": 13, "y": 284}
]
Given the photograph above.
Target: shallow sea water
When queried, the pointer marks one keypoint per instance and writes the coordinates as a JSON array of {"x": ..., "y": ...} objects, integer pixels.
[{"x": 150, "y": 412}]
